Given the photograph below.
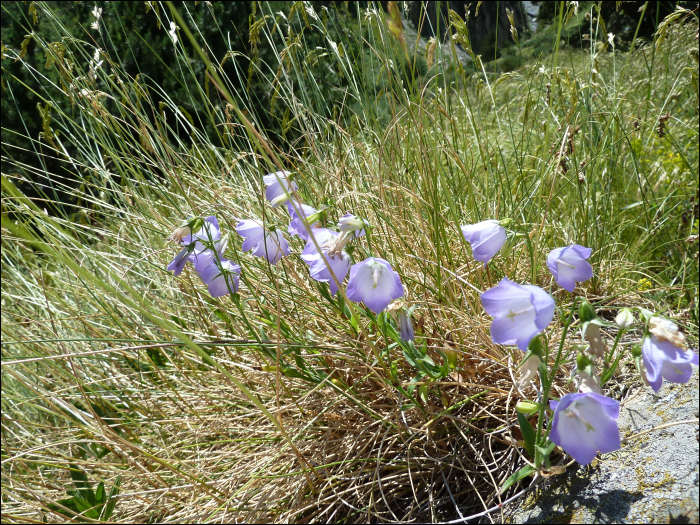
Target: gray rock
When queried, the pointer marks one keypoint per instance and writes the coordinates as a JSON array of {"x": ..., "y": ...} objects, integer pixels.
[{"x": 652, "y": 479}]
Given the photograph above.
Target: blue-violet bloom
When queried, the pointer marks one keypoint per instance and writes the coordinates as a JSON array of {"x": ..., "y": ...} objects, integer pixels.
[
  {"x": 221, "y": 283},
  {"x": 521, "y": 312},
  {"x": 210, "y": 231},
  {"x": 270, "y": 245},
  {"x": 351, "y": 223},
  {"x": 296, "y": 226},
  {"x": 375, "y": 283},
  {"x": 486, "y": 238},
  {"x": 585, "y": 423},
  {"x": 279, "y": 187},
  {"x": 666, "y": 354},
  {"x": 569, "y": 265},
  {"x": 332, "y": 257}
]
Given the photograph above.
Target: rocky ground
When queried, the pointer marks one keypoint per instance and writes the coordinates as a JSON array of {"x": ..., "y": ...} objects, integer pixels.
[{"x": 652, "y": 479}]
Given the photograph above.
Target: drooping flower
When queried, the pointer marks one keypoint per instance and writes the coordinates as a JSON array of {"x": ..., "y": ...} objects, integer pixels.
[
  {"x": 486, "y": 238},
  {"x": 528, "y": 371},
  {"x": 181, "y": 259},
  {"x": 405, "y": 326},
  {"x": 589, "y": 382},
  {"x": 596, "y": 344},
  {"x": 666, "y": 354},
  {"x": 521, "y": 312},
  {"x": 352, "y": 223},
  {"x": 270, "y": 245},
  {"x": 279, "y": 186},
  {"x": 221, "y": 280},
  {"x": 207, "y": 230},
  {"x": 585, "y": 423},
  {"x": 569, "y": 265},
  {"x": 374, "y": 283},
  {"x": 330, "y": 259},
  {"x": 296, "y": 225}
]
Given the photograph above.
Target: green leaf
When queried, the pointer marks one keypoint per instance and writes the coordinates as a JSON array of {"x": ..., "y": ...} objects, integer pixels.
[
  {"x": 80, "y": 480},
  {"x": 111, "y": 500},
  {"x": 528, "y": 433},
  {"x": 410, "y": 359},
  {"x": 517, "y": 476},
  {"x": 100, "y": 494}
]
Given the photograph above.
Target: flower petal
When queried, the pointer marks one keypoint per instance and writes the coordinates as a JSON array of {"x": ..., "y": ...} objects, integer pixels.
[{"x": 544, "y": 305}]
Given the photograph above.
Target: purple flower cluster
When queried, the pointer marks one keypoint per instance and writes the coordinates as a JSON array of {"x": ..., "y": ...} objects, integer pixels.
[{"x": 205, "y": 249}]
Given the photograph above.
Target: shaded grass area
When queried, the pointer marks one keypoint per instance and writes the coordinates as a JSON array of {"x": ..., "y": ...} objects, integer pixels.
[{"x": 276, "y": 405}]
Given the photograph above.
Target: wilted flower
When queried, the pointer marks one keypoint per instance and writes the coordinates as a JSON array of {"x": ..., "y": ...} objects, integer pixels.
[
  {"x": 486, "y": 238},
  {"x": 528, "y": 371},
  {"x": 569, "y": 265},
  {"x": 271, "y": 245},
  {"x": 665, "y": 330},
  {"x": 403, "y": 321},
  {"x": 173, "y": 32},
  {"x": 296, "y": 225},
  {"x": 375, "y": 283},
  {"x": 351, "y": 223},
  {"x": 592, "y": 335},
  {"x": 279, "y": 187},
  {"x": 588, "y": 382},
  {"x": 624, "y": 319},
  {"x": 521, "y": 312},
  {"x": 585, "y": 423},
  {"x": 665, "y": 354},
  {"x": 329, "y": 259}
]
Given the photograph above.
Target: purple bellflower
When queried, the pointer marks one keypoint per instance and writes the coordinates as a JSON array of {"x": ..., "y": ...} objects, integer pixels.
[
  {"x": 375, "y": 283},
  {"x": 486, "y": 238},
  {"x": 405, "y": 326},
  {"x": 521, "y": 312},
  {"x": 585, "y": 423},
  {"x": 279, "y": 187},
  {"x": 569, "y": 265},
  {"x": 332, "y": 257},
  {"x": 351, "y": 223},
  {"x": 296, "y": 226},
  {"x": 271, "y": 245},
  {"x": 192, "y": 243},
  {"x": 666, "y": 354},
  {"x": 220, "y": 283}
]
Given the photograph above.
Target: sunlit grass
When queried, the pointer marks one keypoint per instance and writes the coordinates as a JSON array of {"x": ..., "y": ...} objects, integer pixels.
[{"x": 112, "y": 365}]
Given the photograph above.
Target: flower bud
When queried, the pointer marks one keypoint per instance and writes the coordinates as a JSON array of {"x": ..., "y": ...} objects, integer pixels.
[
  {"x": 582, "y": 362},
  {"x": 636, "y": 351},
  {"x": 527, "y": 407},
  {"x": 586, "y": 312},
  {"x": 505, "y": 222},
  {"x": 535, "y": 346},
  {"x": 279, "y": 200},
  {"x": 625, "y": 319}
]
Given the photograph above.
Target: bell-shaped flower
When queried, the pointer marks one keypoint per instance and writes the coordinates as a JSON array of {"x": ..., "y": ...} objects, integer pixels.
[
  {"x": 352, "y": 223},
  {"x": 296, "y": 225},
  {"x": 585, "y": 423},
  {"x": 181, "y": 259},
  {"x": 279, "y": 187},
  {"x": 666, "y": 354},
  {"x": 569, "y": 265},
  {"x": 330, "y": 259},
  {"x": 221, "y": 277},
  {"x": 270, "y": 245},
  {"x": 375, "y": 283},
  {"x": 521, "y": 312},
  {"x": 208, "y": 231},
  {"x": 486, "y": 238}
]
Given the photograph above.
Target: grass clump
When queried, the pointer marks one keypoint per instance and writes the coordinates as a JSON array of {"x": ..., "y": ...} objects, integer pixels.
[{"x": 281, "y": 403}]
